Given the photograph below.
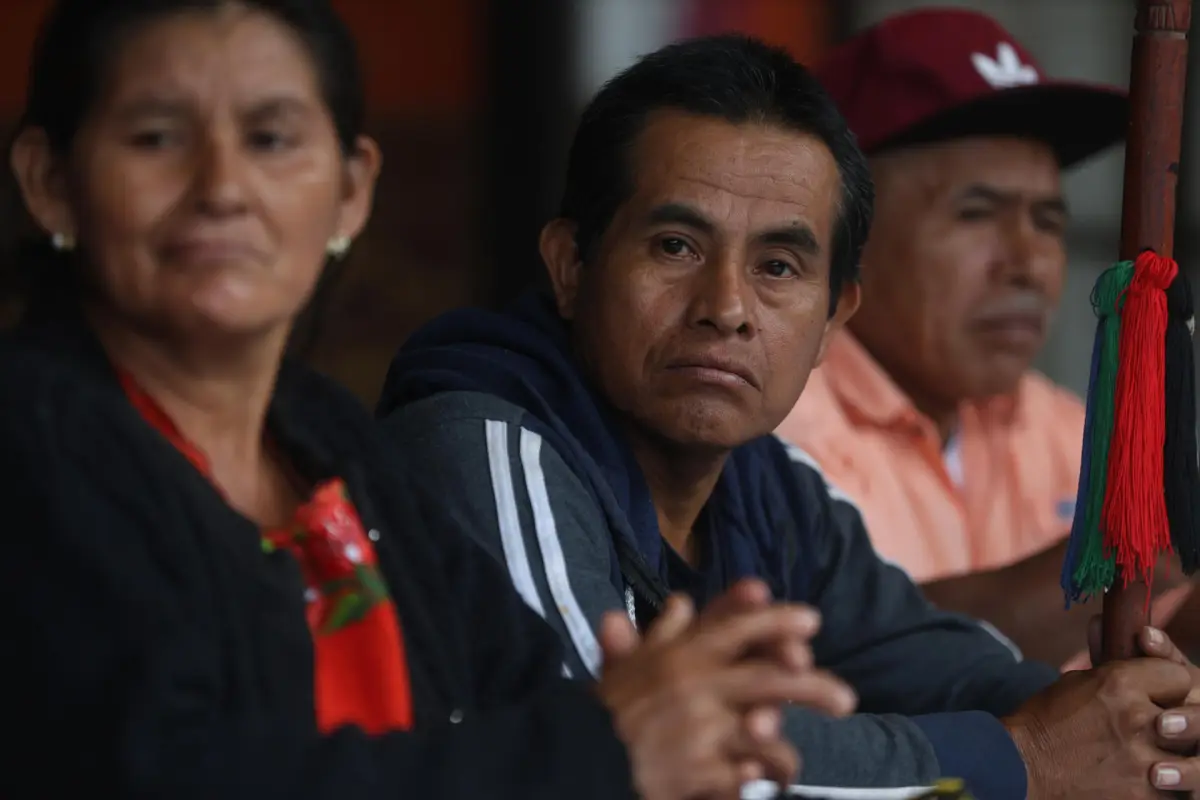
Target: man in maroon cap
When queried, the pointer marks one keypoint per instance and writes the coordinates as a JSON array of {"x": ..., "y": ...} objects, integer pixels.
[{"x": 964, "y": 461}]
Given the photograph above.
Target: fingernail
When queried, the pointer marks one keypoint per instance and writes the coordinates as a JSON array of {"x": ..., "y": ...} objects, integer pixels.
[
  {"x": 808, "y": 619},
  {"x": 1155, "y": 636},
  {"x": 1171, "y": 724},
  {"x": 1167, "y": 776}
]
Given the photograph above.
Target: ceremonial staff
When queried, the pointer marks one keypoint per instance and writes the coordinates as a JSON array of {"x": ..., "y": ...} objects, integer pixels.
[{"x": 1138, "y": 493}]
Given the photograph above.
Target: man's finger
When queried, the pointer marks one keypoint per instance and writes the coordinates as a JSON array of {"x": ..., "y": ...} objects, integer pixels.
[
  {"x": 764, "y": 684},
  {"x": 778, "y": 758},
  {"x": 1157, "y": 644},
  {"x": 730, "y": 637},
  {"x": 677, "y": 614},
  {"x": 1163, "y": 682},
  {"x": 764, "y": 723},
  {"x": 750, "y": 771},
  {"x": 1179, "y": 729},
  {"x": 1182, "y": 775},
  {"x": 718, "y": 779},
  {"x": 742, "y": 596},
  {"x": 618, "y": 638}
]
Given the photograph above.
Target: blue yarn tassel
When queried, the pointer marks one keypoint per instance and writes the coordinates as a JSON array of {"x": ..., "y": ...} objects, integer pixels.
[{"x": 1071, "y": 590}]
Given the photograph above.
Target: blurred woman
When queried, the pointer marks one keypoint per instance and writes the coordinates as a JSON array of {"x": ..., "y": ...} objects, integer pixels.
[{"x": 216, "y": 583}]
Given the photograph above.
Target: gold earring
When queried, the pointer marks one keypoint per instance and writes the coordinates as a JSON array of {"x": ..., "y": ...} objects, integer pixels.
[
  {"x": 62, "y": 242},
  {"x": 338, "y": 246}
]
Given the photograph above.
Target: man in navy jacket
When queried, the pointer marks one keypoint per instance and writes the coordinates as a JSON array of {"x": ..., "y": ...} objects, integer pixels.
[{"x": 608, "y": 438}]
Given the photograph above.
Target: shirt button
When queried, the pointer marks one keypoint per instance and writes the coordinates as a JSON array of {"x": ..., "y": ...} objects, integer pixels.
[
  {"x": 456, "y": 716},
  {"x": 373, "y": 535}
]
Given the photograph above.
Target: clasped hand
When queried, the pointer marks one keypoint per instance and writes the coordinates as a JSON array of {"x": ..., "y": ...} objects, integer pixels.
[
  {"x": 1126, "y": 729},
  {"x": 698, "y": 701}
]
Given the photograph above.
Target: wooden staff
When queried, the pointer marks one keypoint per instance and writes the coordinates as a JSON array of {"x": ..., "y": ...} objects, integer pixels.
[{"x": 1156, "y": 87}]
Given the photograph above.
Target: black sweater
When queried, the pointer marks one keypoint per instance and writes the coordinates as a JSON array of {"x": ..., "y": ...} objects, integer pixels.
[{"x": 153, "y": 650}]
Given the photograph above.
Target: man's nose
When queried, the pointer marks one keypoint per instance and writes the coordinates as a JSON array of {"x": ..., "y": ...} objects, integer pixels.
[
  {"x": 723, "y": 298},
  {"x": 1027, "y": 252}
]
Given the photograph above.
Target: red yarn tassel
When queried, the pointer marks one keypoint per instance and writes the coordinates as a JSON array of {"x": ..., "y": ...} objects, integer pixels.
[{"x": 1135, "y": 522}]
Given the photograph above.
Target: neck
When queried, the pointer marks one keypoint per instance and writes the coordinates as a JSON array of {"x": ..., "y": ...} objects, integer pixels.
[
  {"x": 943, "y": 414},
  {"x": 939, "y": 410},
  {"x": 681, "y": 480},
  {"x": 216, "y": 393}
]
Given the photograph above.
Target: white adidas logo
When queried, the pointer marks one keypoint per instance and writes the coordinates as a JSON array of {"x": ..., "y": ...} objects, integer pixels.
[{"x": 1005, "y": 70}]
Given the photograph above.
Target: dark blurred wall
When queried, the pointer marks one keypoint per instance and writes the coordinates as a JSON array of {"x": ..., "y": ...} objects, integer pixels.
[{"x": 420, "y": 255}]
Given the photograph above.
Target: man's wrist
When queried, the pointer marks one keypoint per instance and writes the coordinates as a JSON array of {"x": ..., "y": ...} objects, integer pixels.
[{"x": 1031, "y": 742}]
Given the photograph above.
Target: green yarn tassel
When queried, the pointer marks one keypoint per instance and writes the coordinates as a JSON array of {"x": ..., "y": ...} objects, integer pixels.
[{"x": 1096, "y": 569}]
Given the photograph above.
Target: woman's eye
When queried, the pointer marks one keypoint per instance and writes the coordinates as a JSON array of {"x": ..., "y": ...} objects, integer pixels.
[{"x": 151, "y": 139}]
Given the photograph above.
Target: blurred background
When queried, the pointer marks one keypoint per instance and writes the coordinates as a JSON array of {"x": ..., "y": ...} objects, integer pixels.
[{"x": 473, "y": 102}]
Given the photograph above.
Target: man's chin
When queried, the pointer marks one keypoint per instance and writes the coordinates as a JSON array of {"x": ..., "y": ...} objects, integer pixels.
[
  {"x": 703, "y": 425},
  {"x": 1000, "y": 378}
]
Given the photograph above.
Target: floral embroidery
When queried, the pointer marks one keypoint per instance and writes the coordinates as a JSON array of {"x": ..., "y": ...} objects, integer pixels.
[{"x": 336, "y": 556}]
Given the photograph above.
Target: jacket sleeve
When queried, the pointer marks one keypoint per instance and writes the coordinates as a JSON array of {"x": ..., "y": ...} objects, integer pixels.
[
  {"x": 950, "y": 675},
  {"x": 117, "y": 690},
  {"x": 518, "y": 499}
]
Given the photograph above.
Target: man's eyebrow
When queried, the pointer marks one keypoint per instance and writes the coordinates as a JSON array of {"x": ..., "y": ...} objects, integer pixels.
[
  {"x": 979, "y": 191},
  {"x": 681, "y": 214},
  {"x": 277, "y": 106},
  {"x": 799, "y": 236}
]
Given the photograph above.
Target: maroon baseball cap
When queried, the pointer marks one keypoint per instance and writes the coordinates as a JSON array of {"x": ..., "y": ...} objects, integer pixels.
[{"x": 945, "y": 73}]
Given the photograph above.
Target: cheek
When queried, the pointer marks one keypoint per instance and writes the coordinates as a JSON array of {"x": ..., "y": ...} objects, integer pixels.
[
  {"x": 791, "y": 343},
  {"x": 623, "y": 319},
  {"x": 119, "y": 204},
  {"x": 948, "y": 281},
  {"x": 117, "y": 207},
  {"x": 302, "y": 217},
  {"x": 302, "y": 234},
  {"x": 1056, "y": 275}
]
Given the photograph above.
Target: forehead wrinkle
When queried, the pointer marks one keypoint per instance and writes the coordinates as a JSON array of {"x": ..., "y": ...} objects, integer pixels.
[{"x": 746, "y": 194}]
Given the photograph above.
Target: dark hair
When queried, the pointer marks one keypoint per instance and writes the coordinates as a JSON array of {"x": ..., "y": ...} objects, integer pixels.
[
  {"x": 79, "y": 37},
  {"x": 731, "y": 77},
  {"x": 70, "y": 62}
]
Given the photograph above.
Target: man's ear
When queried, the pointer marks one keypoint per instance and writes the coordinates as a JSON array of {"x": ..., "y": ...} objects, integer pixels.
[
  {"x": 851, "y": 296},
  {"x": 563, "y": 263}
]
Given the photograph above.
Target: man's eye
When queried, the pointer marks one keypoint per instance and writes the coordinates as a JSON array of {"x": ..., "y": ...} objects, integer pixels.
[
  {"x": 777, "y": 268},
  {"x": 674, "y": 246},
  {"x": 974, "y": 214},
  {"x": 268, "y": 140}
]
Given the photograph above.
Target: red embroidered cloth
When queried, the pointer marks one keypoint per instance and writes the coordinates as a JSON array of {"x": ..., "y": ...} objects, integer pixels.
[{"x": 360, "y": 670}]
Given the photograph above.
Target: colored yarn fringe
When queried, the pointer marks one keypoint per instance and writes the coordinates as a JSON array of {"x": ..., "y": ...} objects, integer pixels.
[
  {"x": 1089, "y": 570},
  {"x": 1075, "y": 542},
  {"x": 1180, "y": 470},
  {"x": 1134, "y": 515}
]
